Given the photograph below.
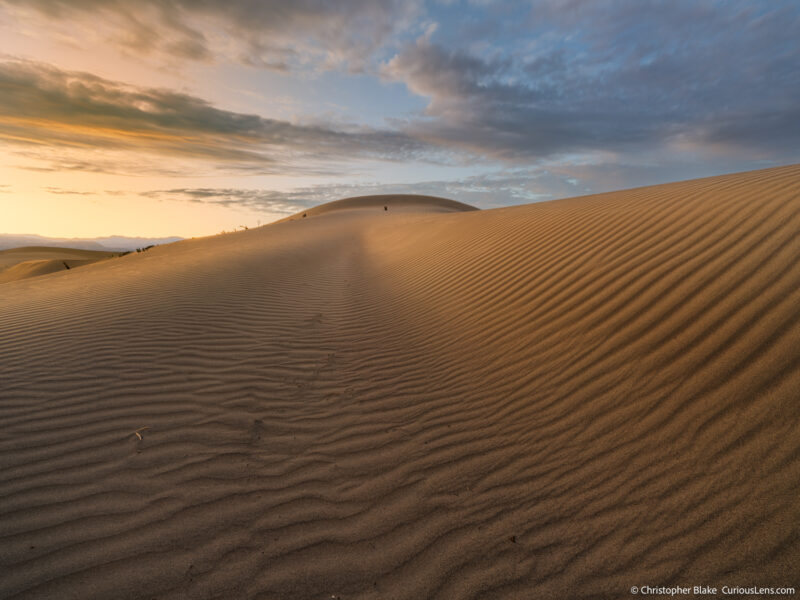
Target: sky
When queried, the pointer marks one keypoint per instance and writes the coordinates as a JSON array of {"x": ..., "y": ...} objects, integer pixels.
[{"x": 190, "y": 117}]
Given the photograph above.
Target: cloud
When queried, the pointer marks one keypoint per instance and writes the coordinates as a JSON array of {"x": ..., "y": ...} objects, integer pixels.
[
  {"x": 273, "y": 34},
  {"x": 486, "y": 190},
  {"x": 492, "y": 189},
  {"x": 551, "y": 91},
  {"x": 260, "y": 200},
  {"x": 43, "y": 108},
  {"x": 65, "y": 192},
  {"x": 620, "y": 76}
]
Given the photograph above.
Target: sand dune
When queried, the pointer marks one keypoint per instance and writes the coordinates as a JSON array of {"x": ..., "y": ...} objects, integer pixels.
[
  {"x": 30, "y": 261},
  {"x": 558, "y": 400},
  {"x": 386, "y": 202}
]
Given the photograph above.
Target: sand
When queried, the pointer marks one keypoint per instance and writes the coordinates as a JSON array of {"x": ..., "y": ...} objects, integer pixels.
[
  {"x": 32, "y": 261},
  {"x": 397, "y": 202},
  {"x": 558, "y": 400}
]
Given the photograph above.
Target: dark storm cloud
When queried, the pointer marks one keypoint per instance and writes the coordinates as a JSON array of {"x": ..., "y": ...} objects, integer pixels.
[
  {"x": 618, "y": 76},
  {"x": 275, "y": 34},
  {"x": 42, "y": 107}
]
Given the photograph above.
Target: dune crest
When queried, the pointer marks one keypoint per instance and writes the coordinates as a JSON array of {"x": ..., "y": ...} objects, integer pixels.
[
  {"x": 394, "y": 202},
  {"x": 557, "y": 400}
]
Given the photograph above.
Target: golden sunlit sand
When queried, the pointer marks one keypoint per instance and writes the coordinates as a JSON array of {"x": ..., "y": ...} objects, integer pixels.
[{"x": 557, "y": 400}]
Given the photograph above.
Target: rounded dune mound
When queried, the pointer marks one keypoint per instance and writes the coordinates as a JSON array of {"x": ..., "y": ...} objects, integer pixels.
[
  {"x": 32, "y": 268},
  {"x": 557, "y": 400},
  {"x": 390, "y": 202},
  {"x": 32, "y": 261}
]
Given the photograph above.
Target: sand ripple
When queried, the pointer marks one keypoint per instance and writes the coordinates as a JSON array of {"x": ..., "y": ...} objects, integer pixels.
[{"x": 558, "y": 400}]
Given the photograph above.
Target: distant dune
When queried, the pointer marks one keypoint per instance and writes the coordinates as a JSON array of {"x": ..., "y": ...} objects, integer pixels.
[
  {"x": 116, "y": 243},
  {"x": 21, "y": 263},
  {"x": 557, "y": 400},
  {"x": 397, "y": 202}
]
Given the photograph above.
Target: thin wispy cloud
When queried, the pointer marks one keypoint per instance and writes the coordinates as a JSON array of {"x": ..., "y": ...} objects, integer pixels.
[
  {"x": 268, "y": 201},
  {"x": 516, "y": 186},
  {"x": 63, "y": 192},
  {"x": 272, "y": 34},
  {"x": 45, "y": 107}
]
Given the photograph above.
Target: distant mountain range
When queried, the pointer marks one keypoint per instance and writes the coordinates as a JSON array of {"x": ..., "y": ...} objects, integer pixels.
[{"x": 114, "y": 243}]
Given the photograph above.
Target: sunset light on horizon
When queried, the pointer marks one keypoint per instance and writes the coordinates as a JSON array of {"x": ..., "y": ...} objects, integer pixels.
[{"x": 182, "y": 118}]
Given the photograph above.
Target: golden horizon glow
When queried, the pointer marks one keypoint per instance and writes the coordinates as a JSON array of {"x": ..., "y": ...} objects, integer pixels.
[
  {"x": 131, "y": 217},
  {"x": 85, "y": 205}
]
